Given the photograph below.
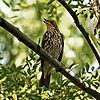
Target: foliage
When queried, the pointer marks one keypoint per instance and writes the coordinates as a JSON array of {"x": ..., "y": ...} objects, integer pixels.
[
  {"x": 19, "y": 77},
  {"x": 21, "y": 82},
  {"x": 33, "y": 26}
]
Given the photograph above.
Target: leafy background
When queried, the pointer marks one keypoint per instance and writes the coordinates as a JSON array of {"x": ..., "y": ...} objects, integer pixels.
[{"x": 19, "y": 69}]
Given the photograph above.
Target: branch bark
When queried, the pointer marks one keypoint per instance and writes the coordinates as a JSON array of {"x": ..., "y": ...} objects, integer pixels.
[
  {"x": 59, "y": 66},
  {"x": 82, "y": 29}
]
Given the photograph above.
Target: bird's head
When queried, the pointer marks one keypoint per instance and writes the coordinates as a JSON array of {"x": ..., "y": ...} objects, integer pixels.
[{"x": 51, "y": 24}]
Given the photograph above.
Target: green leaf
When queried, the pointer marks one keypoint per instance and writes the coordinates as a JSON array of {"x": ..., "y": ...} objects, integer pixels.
[
  {"x": 50, "y": 2},
  {"x": 4, "y": 69},
  {"x": 96, "y": 74},
  {"x": 35, "y": 66},
  {"x": 6, "y": 3},
  {"x": 29, "y": 71},
  {"x": 1, "y": 58},
  {"x": 95, "y": 86},
  {"x": 60, "y": 80},
  {"x": 24, "y": 73},
  {"x": 13, "y": 67},
  {"x": 91, "y": 74},
  {"x": 22, "y": 83},
  {"x": 13, "y": 16},
  {"x": 83, "y": 70},
  {"x": 98, "y": 42},
  {"x": 32, "y": 77},
  {"x": 16, "y": 9},
  {"x": 87, "y": 67},
  {"x": 92, "y": 68},
  {"x": 97, "y": 83},
  {"x": 65, "y": 83},
  {"x": 53, "y": 85},
  {"x": 99, "y": 79},
  {"x": 98, "y": 67},
  {"x": 86, "y": 15},
  {"x": 32, "y": 56}
]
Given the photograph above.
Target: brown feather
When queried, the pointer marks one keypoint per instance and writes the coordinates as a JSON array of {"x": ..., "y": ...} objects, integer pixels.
[{"x": 53, "y": 43}]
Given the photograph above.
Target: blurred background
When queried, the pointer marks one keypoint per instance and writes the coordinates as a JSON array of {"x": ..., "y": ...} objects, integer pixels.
[{"x": 28, "y": 16}]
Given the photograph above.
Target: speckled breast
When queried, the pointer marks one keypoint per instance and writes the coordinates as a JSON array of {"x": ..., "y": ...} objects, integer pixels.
[{"x": 53, "y": 43}]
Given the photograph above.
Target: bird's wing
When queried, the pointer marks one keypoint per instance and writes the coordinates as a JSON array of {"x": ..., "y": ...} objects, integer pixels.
[
  {"x": 60, "y": 57},
  {"x": 44, "y": 40}
]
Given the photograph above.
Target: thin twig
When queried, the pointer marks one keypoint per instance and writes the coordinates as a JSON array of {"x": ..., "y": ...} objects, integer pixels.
[
  {"x": 82, "y": 29},
  {"x": 69, "y": 2}
]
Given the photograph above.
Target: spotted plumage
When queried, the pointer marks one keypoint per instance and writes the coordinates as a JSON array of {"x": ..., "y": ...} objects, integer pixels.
[{"x": 53, "y": 43}]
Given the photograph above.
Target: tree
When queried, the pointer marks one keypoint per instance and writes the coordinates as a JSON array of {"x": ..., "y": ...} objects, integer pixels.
[{"x": 24, "y": 78}]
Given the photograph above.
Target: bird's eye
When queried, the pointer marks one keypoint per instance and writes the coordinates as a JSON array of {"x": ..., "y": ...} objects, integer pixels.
[{"x": 51, "y": 22}]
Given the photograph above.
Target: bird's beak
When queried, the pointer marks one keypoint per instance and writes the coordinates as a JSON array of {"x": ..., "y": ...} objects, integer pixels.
[{"x": 46, "y": 21}]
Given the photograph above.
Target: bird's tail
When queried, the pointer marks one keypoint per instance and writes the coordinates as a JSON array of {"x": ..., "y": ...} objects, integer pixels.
[{"x": 45, "y": 81}]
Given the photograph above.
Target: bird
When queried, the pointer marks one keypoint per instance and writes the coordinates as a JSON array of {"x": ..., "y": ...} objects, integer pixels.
[{"x": 52, "y": 43}]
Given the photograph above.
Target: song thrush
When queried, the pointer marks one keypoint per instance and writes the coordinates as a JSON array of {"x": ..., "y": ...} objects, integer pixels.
[{"x": 53, "y": 43}]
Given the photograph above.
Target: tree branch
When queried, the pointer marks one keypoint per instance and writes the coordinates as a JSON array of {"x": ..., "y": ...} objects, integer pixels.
[
  {"x": 81, "y": 28},
  {"x": 59, "y": 66}
]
